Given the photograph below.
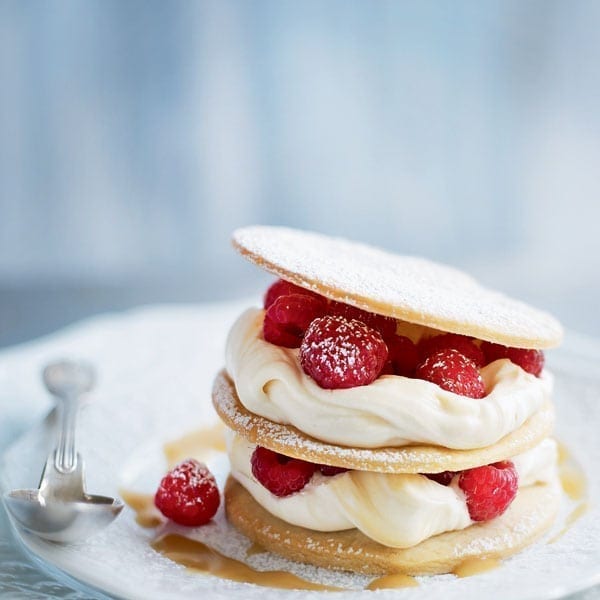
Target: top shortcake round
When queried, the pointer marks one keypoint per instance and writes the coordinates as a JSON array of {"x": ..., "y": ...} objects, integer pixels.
[{"x": 404, "y": 287}]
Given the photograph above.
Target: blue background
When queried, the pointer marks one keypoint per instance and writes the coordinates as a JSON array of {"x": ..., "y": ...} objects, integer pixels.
[{"x": 134, "y": 136}]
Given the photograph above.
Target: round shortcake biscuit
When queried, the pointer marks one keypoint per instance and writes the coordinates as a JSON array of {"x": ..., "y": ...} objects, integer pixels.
[
  {"x": 528, "y": 517},
  {"x": 404, "y": 287},
  {"x": 290, "y": 441}
]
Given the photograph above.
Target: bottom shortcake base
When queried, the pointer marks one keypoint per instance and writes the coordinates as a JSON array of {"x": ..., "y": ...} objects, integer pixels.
[{"x": 529, "y": 516}]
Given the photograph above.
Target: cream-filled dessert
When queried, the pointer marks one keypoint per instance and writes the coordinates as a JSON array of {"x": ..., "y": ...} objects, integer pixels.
[
  {"x": 390, "y": 411},
  {"x": 395, "y": 509},
  {"x": 357, "y": 352}
]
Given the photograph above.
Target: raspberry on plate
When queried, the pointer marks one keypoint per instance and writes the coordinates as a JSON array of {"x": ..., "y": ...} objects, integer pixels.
[
  {"x": 188, "y": 494},
  {"x": 288, "y": 317},
  {"x": 453, "y": 372},
  {"x": 280, "y": 474},
  {"x": 531, "y": 361},
  {"x": 403, "y": 355},
  {"x": 465, "y": 345},
  {"x": 285, "y": 288},
  {"x": 385, "y": 325},
  {"x": 490, "y": 489},
  {"x": 338, "y": 353}
]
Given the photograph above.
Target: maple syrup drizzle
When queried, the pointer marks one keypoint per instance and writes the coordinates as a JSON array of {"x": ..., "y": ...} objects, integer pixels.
[
  {"x": 197, "y": 444},
  {"x": 146, "y": 513},
  {"x": 572, "y": 517},
  {"x": 475, "y": 566},
  {"x": 391, "y": 582},
  {"x": 255, "y": 549},
  {"x": 199, "y": 557},
  {"x": 574, "y": 484},
  {"x": 572, "y": 477}
]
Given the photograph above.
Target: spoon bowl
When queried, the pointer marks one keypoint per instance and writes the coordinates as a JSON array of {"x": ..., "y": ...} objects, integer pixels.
[{"x": 60, "y": 521}]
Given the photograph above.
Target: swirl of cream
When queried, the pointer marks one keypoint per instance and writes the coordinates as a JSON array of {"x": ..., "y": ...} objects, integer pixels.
[
  {"x": 397, "y": 510},
  {"x": 391, "y": 411}
]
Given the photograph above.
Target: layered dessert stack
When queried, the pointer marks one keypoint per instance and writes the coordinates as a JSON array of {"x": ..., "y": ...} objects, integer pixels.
[{"x": 386, "y": 414}]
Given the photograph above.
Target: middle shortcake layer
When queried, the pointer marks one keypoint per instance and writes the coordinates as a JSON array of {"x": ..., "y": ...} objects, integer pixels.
[
  {"x": 396, "y": 510},
  {"x": 391, "y": 411}
]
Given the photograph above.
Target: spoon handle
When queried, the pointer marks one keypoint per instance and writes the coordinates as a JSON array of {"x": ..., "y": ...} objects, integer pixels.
[{"x": 65, "y": 458}]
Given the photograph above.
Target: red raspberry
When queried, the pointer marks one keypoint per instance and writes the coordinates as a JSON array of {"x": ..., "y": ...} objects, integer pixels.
[
  {"x": 443, "y": 478},
  {"x": 188, "y": 494},
  {"x": 285, "y": 288},
  {"x": 280, "y": 474},
  {"x": 288, "y": 317},
  {"x": 274, "y": 334},
  {"x": 388, "y": 368},
  {"x": 465, "y": 345},
  {"x": 452, "y": 371},
  {"x": 403, "y": 355},
  {"x": 385, "y": 325},
  {"x": 531, "y": 361},
  {"x": 330, "y": 471},
  {"x": 338, "y": 353},
  {"x": 489, "y": 490}
]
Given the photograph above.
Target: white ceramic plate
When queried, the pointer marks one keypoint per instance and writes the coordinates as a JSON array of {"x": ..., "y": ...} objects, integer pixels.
[{"x": 156, "y": 370}]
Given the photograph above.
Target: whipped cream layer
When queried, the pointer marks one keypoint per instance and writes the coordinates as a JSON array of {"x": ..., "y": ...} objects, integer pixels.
[
  {"x": 391, "y": 411},
  {"x": 397, "y": 510}
]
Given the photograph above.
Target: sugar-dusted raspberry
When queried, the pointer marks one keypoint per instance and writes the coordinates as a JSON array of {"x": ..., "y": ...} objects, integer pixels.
[
  {"x": 338, "y": 353},
  {"x": 443, "y": 478},
  {"x": 531, "y": 361},
  {"x": 285, "y": 288},
  {"x": 385, "y": 325},
  {"x": 288, "y": 317},
  {"x": 402, "y": 355},
  {"x": 330, "y": 471},
  {"x": 490, "y": 489},
  {"x": 280, "y": 474},
  {"x": 453, "y": 372},
  {"x": 188, "y": 494},
  {"x": 465, "y": 345}
]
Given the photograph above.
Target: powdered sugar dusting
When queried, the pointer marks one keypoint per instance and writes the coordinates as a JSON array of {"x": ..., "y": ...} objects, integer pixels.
[
  {"x": 454, "y": 372},
  {"x": 338, "y": 353},
  {"x": 405, "y": 287}
]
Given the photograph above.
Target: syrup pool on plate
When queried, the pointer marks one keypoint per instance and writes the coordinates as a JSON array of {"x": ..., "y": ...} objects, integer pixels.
[
  {"x": 146, "y": 513},
  {"x": 199, "y": 557},
  {"x": 475, "y": 566},
  {"x": 199, "y": 444},
  {"x": 574, "y": 484},
  {"x": 393, "y": 581}
]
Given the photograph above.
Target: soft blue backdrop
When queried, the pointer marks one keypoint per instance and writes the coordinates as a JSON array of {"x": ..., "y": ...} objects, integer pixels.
[{"x": 134, "y": 136}]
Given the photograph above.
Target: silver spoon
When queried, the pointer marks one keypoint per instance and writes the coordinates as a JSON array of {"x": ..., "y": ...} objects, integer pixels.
[{"x": 60, "y": 510}]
